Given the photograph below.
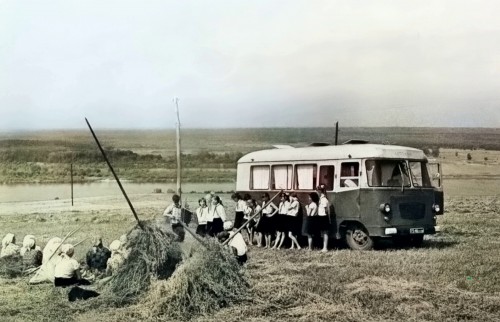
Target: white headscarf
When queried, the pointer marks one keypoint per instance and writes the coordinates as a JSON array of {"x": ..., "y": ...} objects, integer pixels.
[
  {"x": 50, "y": 248},
  {"x": 68, "y": 250},
  {"x": 115, "y": 246},
  {"x": 28, "y": 244},
  {"x": 8, "y": 239}
]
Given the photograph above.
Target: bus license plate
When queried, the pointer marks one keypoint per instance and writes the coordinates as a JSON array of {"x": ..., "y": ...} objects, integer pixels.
[{"x": 416, "y": 230}]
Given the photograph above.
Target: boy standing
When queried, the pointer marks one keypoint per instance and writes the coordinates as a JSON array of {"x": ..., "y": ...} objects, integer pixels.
[{"x": 174, "y": 211}]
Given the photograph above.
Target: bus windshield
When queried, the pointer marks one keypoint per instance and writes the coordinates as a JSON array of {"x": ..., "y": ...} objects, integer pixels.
[
  {"x": 387, "y": 173},
  {"x": 419, "y": 174}
]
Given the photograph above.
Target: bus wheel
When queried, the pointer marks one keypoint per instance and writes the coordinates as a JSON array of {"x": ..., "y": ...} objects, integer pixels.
[{"x": 357, "y": 238}]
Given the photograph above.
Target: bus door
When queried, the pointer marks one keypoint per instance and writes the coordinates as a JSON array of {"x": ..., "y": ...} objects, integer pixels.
[
  {"x": 436, "y": 177},
  {"x": 346, "y": 200},
  {"x": 326, "y": 178}
]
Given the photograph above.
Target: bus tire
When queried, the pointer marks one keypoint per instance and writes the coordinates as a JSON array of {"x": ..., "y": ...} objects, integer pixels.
[{"x": 357, "y": 238}]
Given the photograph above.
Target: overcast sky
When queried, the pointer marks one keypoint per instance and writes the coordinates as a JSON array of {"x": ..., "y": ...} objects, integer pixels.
[{"x": 249, "y": 63}]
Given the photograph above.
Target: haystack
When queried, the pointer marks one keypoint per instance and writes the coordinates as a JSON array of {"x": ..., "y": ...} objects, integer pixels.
[
  {"x": 154, "y": 254},
  {"x": 208, "y": 280}
]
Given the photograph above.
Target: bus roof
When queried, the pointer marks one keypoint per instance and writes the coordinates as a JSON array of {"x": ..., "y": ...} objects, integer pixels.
[{"x": 334, "y": 152}]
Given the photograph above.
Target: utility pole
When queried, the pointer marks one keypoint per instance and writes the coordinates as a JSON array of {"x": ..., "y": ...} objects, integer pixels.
[
  {"x": 178, "y": 133},
  {"x": 336, "y": 133}
]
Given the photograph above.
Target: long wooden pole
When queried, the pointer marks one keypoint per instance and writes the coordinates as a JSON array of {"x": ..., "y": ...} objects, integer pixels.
[
  {"x": 114, "y": 174},
  {"x": 251, "y": 218},
  {"x": 71, "y": 171},
  {"x": 178, "y": 134}
]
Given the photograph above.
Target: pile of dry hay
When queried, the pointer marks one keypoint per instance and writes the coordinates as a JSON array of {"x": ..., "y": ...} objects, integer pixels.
[
  {"x": 11, "y": 266},
  {"x": 208, "y": 280},
  {"x": 154, "y": 254}
]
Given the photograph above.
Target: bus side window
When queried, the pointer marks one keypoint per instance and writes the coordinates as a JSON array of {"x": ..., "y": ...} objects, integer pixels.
[
  {"x": 259, "y": 179},
  {"x": 349, "y": 175},
  {"x": 326, "y": 175},
  {"x": 305, "y": 176},
  {"x": 281, "y": 177}
]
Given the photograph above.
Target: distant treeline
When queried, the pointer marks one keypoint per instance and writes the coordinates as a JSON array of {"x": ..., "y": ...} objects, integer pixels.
[{"x": 21, "y": 151}]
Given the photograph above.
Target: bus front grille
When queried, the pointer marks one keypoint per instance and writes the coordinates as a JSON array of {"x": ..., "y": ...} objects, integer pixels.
[{"x": 412, "y": 210}]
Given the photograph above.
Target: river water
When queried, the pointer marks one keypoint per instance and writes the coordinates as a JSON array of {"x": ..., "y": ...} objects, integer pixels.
[{"x": 41, "y": 192}]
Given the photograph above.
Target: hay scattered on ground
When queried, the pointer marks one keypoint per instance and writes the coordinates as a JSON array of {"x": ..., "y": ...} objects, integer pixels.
[
  {"x": 11, "y": 266},
  {"x": 154, "y": 254},
  {"x": 208, "y": 280}
]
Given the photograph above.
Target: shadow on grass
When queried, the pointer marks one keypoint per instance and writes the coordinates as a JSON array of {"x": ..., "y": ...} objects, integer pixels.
[{"x": 388, "y": 244}]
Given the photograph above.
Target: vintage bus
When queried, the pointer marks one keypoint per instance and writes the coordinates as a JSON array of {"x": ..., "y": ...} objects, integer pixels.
[{"x": 375, "y": 191}]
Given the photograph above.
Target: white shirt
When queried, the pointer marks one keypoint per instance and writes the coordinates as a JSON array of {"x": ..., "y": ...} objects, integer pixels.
[
  {"x": 293, "y": 209},
  {"x": 323, "y": 205},
  {"x": 350, "y": 184},
  {"x": 269, "y": 210},
  {"x": 248, "y": 212},
  {"x": 174, "y": 212},
  {"x": 312, "y": 209},
  {"x": 257, "y": 210},
  {"x": 283, "y": 207},
  {"x": 218, "y": 211},
  {"x": 239, "y": 243},
  {"x": 66, "y": 267},
  {"x": 201, "y": 214},
  {"x": 241, "y": 205}
]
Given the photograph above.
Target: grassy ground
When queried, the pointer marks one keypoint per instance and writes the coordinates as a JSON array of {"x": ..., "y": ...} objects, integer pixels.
[{"x": 454, "y": 276}]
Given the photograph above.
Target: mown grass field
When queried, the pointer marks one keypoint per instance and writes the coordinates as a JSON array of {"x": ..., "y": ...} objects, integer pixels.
[{"x": 453, "y": 277}]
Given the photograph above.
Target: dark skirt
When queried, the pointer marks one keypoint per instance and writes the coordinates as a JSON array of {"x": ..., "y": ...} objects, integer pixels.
[
  {"x": 266, "y": 225},
  {"x": 239, "y": 219},
  {"x": 242, "y": 259},
  {"x": 309, "y": 225},
  {"x": 208, "y": 229},
  {"x": 322, "y": 224},
  {"x": 252, "y": 223},
  {"x": 217, "y": 227},
  {"x": 293, "y": 224},
  {"x": 201, "y": 230},
  {"x": 64, "y": 282}
]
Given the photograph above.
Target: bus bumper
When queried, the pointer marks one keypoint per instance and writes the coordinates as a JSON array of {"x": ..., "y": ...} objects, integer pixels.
[{"x": 405, "y": 231}]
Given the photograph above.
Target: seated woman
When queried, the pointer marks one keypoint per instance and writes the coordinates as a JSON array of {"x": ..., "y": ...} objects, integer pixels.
[
  {"x": 67, "y": 270},
  {"x": 118, "y": 256},
  {"x": 9, "y": 247},
  {"x": 98, "y": 256},
  {"x": 32, "y": 254}
]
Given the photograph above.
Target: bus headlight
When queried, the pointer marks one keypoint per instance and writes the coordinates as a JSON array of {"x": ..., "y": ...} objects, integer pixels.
[
  {"x": 436, "y": 208},
  {"x": 385, "y": 207}
]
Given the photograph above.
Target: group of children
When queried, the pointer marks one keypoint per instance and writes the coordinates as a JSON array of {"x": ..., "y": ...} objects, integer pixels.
[{"x": 269, "y": 225}]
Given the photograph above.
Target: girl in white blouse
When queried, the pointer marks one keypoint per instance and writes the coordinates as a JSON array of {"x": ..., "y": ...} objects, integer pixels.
[
  {"x": 281, "y": 220},
  {"x": 293, "y": 220},
  {"x": 201, "y": 214},
  {"x": 218, "y": 213}
]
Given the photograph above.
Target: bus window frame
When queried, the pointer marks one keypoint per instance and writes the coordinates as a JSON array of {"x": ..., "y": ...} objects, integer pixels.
[
  {"x": 358, "y": 177},
  {"x": 333, "y": 164},
  {"x": 271, "y": 182},
  {"x": 251, "y": 176},
  {"x": 295, "y": 176}
]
